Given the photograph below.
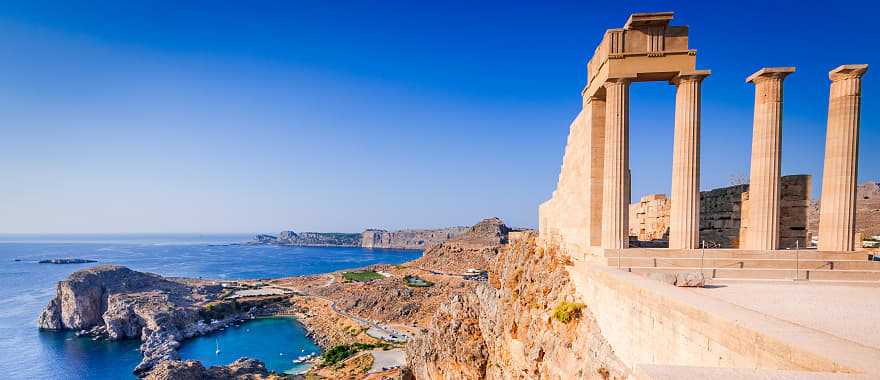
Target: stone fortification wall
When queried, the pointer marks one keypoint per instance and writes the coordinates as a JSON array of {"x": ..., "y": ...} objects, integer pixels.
[
  {"x": 564, "y": 218},
  {"x": 724, "y": 214}
]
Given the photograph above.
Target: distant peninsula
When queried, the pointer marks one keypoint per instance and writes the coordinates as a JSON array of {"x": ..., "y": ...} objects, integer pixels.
[{"x": 370, "y": 238}]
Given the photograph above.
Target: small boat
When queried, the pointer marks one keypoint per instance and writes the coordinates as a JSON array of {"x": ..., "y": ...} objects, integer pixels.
[{"x": 217, "y": 351}]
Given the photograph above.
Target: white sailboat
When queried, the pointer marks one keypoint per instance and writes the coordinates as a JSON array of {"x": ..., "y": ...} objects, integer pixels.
[{"x": 217, "y": 351}]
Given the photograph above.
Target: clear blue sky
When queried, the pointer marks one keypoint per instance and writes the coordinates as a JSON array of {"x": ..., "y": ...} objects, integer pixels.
[{"x": 130, "y": 116}]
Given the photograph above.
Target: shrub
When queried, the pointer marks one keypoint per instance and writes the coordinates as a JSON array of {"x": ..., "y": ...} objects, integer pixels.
[
  {"x": 344, "y": 351},
  {"x": 364, "y": 276},
  {"x": 567, "y": 311}
]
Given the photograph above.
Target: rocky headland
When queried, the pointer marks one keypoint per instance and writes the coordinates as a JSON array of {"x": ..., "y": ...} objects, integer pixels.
[{"x": 114, "y": 302}]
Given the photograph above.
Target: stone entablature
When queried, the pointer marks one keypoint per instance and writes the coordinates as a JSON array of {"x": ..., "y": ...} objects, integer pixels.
[{"x": 647, "y": 48}]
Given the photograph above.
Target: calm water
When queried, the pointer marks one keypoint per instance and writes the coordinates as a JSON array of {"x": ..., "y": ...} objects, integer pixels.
[{"x": 26, "y": 287}]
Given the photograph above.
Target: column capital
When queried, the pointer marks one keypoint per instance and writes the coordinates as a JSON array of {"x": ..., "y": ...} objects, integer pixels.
[
  {"x": 619, "y": 80},
  {"x": 847, "y": 72},
  {"x": 690, "y": 76},
  {"x": 778, "y": 73}
]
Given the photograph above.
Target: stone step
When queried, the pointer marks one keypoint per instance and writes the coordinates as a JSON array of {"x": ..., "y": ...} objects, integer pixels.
[
  {"x": 767, "y": 274},
  {"x": 806, "y": 254},
  {"x": 738, "y": 263}
]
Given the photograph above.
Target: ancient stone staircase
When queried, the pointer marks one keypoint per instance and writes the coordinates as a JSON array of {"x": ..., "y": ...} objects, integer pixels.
[{"x": 744, "y": 265}]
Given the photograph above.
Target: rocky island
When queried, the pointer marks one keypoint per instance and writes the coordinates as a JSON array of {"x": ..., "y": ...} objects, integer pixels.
[{"x": 66, "y": 261}]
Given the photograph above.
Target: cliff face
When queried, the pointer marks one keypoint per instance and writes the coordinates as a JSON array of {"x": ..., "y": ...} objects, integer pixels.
[
  {"x": 510, "y": 327},
  {"x": 409, "y": 239}
]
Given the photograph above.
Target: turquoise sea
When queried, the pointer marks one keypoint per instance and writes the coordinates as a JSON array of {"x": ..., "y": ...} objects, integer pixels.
[{"x": 26, "y": 287}]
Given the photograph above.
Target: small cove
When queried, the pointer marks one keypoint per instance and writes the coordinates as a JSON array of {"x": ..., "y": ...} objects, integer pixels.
[{"x": 276, "y": 341}]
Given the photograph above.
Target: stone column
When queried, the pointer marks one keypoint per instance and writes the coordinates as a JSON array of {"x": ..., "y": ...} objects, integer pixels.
[
  {"x": 837, "y": 212},
  {"x": 766, "y": 158},
  {"x": 614, "y": 203},
  {"x": 684, "y": 210}
]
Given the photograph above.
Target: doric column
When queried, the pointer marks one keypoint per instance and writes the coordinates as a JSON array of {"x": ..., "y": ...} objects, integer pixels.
[
  {"x": 614, "y": 203},
  {"x": 838, "y": 209},
  {"x": 684, "y": 213},
  {"x": 766, "y": 158},
  {"x": 597, "y": 165}
]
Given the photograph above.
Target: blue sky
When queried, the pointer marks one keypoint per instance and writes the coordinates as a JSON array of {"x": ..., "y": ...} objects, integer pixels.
[{"x": 336, "y": 116}]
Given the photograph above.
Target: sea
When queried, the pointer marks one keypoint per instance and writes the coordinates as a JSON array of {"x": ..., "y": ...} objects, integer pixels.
[{"x": 26, "y": 287}]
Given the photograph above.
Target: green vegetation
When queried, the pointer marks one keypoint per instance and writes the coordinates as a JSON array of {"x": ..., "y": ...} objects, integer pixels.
[
  {"x": 567, "y": 311},
  {"x": 364, "y": 276},
  {"x": 417, "y": 282},
  {"x": 344, "y": 351}
]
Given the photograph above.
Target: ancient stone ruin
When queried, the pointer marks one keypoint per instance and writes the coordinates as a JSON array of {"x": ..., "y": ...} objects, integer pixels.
[{"x": 589, "y": 211}]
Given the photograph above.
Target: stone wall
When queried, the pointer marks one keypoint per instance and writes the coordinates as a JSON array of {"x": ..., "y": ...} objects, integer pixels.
[
  {"x": 564, "y": 219},
  {"x": 724, "y": 212},
  {"x": 646, "y": 322},
  {"x": 649, "y": 218},
  {"x": 724, "y": 215}
]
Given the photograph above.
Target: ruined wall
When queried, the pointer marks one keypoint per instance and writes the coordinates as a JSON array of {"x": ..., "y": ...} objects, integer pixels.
[
  {"x": 649, "y": 218},
  {"x": 724, "y": 214}
]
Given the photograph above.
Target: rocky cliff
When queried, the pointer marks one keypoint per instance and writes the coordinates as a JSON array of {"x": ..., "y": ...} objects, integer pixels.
[
  {"x": 409, "y": 239},
  {"x": 525, "y": 323},
  {"x": 473, "y": 249},
  {"x": 114, "y": 302}
]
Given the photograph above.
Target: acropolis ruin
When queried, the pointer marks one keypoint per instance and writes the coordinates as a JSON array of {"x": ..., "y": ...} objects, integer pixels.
[{"x": 589, "y": 211}]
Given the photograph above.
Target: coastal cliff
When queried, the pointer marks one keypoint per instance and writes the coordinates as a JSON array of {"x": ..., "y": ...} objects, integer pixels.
[
  {"x": 525, "y": 323},
  {"x": 114, "y": 302},
  {"x": 409, "y": 239}
]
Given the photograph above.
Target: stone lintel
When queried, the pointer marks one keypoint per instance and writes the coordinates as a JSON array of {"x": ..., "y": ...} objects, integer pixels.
[
  {"x": 770, "y": 72},
  {"x": 697, "y": 75},
  {"x": 847, "y": 71},
  {"x": 637, "y": 20}
]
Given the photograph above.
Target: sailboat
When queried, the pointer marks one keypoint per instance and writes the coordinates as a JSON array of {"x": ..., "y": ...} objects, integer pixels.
[{"x": 217, "y": 351}]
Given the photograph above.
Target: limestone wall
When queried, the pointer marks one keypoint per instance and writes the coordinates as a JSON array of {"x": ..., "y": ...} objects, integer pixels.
[
  {"x": 724, "y": 213},
  {"x": 649, "y": 218},
  {"x": 646, "y": 322},
  {"x": 563, "y": 218}
]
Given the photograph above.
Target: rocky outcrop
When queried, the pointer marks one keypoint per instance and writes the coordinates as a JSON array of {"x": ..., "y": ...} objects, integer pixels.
[
  {"x": 409, "y": 239},
  {"x": 507, "y": 328},
  {"x": 241, "y": 369},
  {"x": 114, "y": 302},
  {"x": 474, "y": 249}
]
